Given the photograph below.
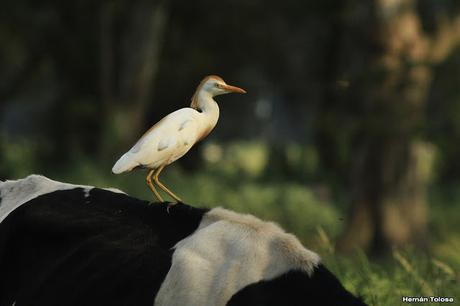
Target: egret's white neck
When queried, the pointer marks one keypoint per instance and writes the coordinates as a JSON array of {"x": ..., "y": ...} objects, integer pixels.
[
  {"x": 209, "y": 109},
  {"x": 206, "y": 104}
]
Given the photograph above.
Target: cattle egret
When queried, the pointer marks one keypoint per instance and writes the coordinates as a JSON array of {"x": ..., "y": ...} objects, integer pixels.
[{"x": 175, "y": 134}]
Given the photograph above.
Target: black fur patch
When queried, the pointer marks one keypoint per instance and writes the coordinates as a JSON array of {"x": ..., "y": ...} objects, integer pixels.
[
  {"x": 65, "y": 248},
  {"x": 296, "y": 288}
]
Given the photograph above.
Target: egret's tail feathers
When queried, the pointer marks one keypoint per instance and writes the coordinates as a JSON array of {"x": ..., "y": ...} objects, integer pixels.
[{"x": 125, "y": 163}]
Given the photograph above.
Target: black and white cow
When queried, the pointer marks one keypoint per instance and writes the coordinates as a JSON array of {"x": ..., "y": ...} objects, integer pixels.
[{"x": 63, "y": 244}]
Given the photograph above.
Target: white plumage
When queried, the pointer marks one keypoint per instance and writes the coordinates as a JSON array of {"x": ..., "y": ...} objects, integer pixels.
[
  {"x": 175, "y": 134},
  {"x": 164, "y": 143}
]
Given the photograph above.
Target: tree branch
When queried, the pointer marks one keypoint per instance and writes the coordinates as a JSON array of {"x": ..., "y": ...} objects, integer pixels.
[{"x": 446, "y": 38}]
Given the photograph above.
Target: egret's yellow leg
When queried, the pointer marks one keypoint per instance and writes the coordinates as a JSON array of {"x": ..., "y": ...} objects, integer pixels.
[
  {"x": 163, "y": 187},
  {"x": 150, "y": 184}
]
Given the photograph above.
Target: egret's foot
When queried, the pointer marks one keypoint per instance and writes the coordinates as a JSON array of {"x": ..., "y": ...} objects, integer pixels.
[{"x": 169, "y": 206}]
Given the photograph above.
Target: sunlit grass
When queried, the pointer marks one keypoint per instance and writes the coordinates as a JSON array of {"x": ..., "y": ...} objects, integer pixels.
[{"x": 384, "y": 282}]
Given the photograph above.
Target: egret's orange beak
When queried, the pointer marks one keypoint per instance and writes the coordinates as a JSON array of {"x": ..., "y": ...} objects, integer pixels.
[{"x": 231, "y": 88}]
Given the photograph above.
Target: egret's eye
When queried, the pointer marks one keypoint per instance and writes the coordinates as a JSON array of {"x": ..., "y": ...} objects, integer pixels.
[{"x": 218, "y": 85}]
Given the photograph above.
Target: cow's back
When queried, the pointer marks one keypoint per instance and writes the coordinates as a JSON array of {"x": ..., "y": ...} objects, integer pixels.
[
  {"x": 89, "y": 247},
  {"x": 79, "y": 245}
]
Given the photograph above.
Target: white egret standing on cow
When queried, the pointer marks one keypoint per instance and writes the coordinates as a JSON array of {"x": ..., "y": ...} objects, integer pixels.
[{"x": 175, "y": 134}]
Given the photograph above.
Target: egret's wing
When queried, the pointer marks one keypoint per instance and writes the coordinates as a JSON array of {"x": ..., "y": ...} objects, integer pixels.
[
  {"x": 165, "y": 143},
  {"x": 161, "y": 128},
  {"x": 185, "y": 131},
  {"x": 184, "y": 124},
  {"x": 188, "y": 132},
  {"x": 182, "y": 134},
  {"x": 169, "y": 139}
]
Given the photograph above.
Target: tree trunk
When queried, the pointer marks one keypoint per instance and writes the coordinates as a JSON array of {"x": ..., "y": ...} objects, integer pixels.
[{"x": 389, "y": 168}]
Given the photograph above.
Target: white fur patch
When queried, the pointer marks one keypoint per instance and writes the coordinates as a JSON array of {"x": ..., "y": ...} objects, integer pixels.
[
  {"x": 225, "y": 254},
  {"x": 15, "y": 193}
]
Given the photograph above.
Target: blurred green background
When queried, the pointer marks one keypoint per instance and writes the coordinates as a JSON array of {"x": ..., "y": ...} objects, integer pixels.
[{"x": 348, "y": 137}]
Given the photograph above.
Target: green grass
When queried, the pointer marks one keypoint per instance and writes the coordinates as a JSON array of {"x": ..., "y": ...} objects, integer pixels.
[{"x": 384, "y": 282}]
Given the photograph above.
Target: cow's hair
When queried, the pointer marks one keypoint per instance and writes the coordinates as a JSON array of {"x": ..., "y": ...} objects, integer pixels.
[
  {"x": 15, "y": 193},
  {"x": 63, "y": 244},
  {"x": 230, "y": 250}
]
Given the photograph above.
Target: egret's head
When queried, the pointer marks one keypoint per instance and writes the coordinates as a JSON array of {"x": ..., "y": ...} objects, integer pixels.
[
  {"x": 213, "y": 85},
  {"x": 216, "y": 86}
]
